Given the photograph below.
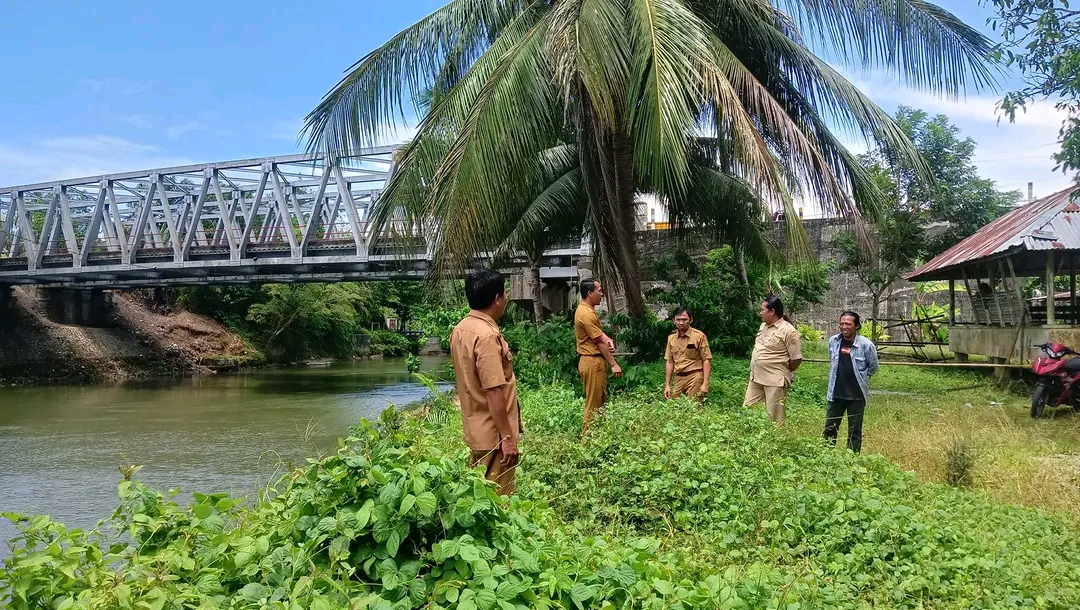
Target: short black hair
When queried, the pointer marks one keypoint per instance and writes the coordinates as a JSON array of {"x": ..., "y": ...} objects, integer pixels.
[
  {"x": 681, "y": 310},
  {"x": 773, "y": 302},
  {"x": 482, "y": 287},
  {"x": 587, "y": 286},
  {"x": 854, "y": 316}
]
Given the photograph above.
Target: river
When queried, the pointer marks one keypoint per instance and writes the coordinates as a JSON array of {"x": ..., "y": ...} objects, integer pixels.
[{"x": 60, "y": 447}]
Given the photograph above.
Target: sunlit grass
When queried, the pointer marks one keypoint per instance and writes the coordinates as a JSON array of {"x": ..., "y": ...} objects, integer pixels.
[{"x": 915, "y": 414}]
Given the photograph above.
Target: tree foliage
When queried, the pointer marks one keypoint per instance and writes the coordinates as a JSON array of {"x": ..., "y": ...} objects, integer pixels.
[
  {"x": 956, "y": 195},
  {"x": 304, "y": 319},
  {"x": 720, "y": 108},
  {"x": 1042, "y": 39}
]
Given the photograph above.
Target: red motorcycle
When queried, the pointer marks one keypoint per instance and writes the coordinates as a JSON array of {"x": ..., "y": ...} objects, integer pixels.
[{"x": 1058, "y": 377}]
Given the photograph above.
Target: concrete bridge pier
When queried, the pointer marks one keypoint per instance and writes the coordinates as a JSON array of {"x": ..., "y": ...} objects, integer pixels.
[{"x": 77, "y": 307}]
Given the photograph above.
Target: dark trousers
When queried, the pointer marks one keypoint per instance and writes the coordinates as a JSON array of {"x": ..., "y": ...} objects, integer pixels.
[{"x": 835, "y": 414}]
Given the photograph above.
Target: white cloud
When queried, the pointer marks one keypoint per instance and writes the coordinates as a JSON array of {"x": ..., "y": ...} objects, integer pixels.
[
  {"x": 1010, "y": 153},
  {"x": 175, "y": 132},
  {"x": 48, "y": 159}
]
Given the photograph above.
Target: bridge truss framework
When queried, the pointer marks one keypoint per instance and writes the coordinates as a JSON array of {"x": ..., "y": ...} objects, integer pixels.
[{"x": 276, "y": 219}]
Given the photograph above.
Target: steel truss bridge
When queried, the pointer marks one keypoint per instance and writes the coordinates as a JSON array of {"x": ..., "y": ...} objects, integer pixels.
[{"x": 277, "y": 219}]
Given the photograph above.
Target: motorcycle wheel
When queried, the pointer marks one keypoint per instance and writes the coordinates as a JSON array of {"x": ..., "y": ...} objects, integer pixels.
[{"x": 1039, "y": 398}]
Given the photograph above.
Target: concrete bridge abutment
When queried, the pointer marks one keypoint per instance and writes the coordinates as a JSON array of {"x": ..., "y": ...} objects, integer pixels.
[{"x": 76, "y": 307}]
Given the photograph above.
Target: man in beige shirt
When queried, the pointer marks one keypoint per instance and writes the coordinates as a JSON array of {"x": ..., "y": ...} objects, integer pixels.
[
  {"x": 687, "y": 357},
  {"x": 486, "y": 385},
  {"x": 777, "y": 353},
  {"x": 595, "y": 351}
]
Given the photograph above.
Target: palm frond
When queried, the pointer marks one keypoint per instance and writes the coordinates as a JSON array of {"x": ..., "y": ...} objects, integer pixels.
[
  {"x": 371, "y": 99},
  {"x": 926, "y": 46}
]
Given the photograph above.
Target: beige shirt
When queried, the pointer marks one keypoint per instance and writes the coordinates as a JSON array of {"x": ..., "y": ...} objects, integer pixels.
[
  {"x": 482, "y": 361},
  {"x": 587, "y": 329},
  {"x": 689, "y": 352},
  {"x": 776, "y": 344}
]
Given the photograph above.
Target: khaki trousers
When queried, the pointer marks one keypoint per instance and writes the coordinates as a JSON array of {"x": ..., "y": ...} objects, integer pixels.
[
  {"x": 491, "y": 460},
  {"x": 772, "y": 396},
  {"x": 688, "y": 385},
  {"x": 594, "y": 374}
]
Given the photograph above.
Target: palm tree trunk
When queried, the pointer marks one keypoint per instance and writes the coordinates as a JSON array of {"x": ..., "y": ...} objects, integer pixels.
[
  {"x": 539, "y": 314},
  {"x": 630, "y": 273},
  {"x": 607, "y": 168}
]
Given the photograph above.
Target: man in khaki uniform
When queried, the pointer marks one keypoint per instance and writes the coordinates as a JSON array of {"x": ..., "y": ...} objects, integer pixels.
[
  {"x": 595, "y": 351},
  {"x": 486, "y": 385},
  {"x": 688, "y": 357},
  {"x": 777, "y": 353}
]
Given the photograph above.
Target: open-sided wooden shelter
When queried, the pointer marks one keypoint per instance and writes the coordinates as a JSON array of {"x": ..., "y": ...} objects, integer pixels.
[{"x": 1039, "y": 239}]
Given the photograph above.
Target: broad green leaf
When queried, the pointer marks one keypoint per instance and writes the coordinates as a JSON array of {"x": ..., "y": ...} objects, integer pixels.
[
  {"x": 392, "y": 543},
  {"x": 486, "y": 599},
  {"x": 407, "y": 503},
  {"x": 363, "y": 516},
  {"x": 427, "y": 503}
]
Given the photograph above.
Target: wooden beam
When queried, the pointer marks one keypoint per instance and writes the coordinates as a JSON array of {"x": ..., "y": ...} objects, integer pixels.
[
  {"x": 1050, "y": 318},
  {"x": 997, "y": 301},
  {"x": 1072, "y": 288},
  {"x": 952, "y": 302}
]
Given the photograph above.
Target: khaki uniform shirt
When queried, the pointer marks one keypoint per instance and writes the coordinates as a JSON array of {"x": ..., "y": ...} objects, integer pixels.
[
  {"x": 587, "y": 329},
  {"x": 775, "y": 345},
  {"x": 689, "y": 353},
  {"x": 482, "y": 361}
]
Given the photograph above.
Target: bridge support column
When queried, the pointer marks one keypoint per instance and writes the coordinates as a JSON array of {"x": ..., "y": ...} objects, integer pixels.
[
  {"x": 75, "y": 307},
  {"x": 5, "y": 299}
]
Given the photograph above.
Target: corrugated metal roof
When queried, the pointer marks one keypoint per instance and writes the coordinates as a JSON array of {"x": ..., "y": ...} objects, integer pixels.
[{"x": 1051, "y": 223}]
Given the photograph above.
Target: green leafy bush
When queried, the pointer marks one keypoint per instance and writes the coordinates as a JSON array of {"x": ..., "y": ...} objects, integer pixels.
[
  {"x": 667, "y": 505},
  {"x": 809, "y": 333},
  {"x": 545, "y": 354},
  {"x": 391, "y": 343},
  {"x": 646, "y": 339},
  {"x": 301, "y": 320},
  {"x": 724, "y": 308},
  {"x": 440, "y": 322},
  {"x": 867, "y": 330}
]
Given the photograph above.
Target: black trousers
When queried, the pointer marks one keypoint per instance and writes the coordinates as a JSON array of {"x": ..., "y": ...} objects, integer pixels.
[{"x": 835, "y": 414}]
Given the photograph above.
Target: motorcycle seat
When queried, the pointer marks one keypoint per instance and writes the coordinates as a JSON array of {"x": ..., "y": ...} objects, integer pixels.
[{"x": 1072, "y": 365}]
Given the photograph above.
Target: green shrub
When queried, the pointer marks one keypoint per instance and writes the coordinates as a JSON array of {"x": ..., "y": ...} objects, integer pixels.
[
  {"x": 723, "y": 306},
  {"x": 646, "y": 339},
  {"x": 391, "y": 343},
  {"x": 867, "y": 330},
  {"x": 667, "y": 505},
  {"x": 809, "y": 333},
  {"x": 440, "y": 322},
  {"x": 959, "y": 462}
]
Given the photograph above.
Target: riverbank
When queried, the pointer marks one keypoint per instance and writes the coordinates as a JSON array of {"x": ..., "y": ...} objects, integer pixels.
[
  {"x": 665, "y": 505},
  {"x": 138, "y": 344}
]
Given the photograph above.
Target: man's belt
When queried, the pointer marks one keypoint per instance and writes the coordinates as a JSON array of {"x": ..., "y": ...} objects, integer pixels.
[{"x": 687, "y": 373}]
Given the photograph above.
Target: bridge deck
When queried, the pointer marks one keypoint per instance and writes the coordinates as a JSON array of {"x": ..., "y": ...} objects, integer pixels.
[{"x": 276, "y": 219}]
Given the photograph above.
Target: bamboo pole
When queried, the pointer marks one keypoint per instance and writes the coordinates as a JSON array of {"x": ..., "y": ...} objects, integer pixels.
[{"x": 992, "y": 365}]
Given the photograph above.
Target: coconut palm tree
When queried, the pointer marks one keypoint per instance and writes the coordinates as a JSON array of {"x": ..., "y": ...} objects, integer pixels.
[{"x": 635, "y": 85}]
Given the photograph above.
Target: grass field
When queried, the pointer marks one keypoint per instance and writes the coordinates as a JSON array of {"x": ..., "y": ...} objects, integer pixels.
[{"x": 917, "y": 414}]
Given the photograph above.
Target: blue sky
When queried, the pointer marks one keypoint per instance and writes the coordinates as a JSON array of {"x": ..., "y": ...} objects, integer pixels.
[{"x": 91, "y": 88}]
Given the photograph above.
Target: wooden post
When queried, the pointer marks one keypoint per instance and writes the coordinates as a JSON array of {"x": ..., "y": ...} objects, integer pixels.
[
  {"x": 1074, "y": 318},
  {"x": 1005, "y": 292},
  {"x": 952, "y": 302},
  {"x": 1050, "y": 321},
  {"x": 993, "y": 293}
]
